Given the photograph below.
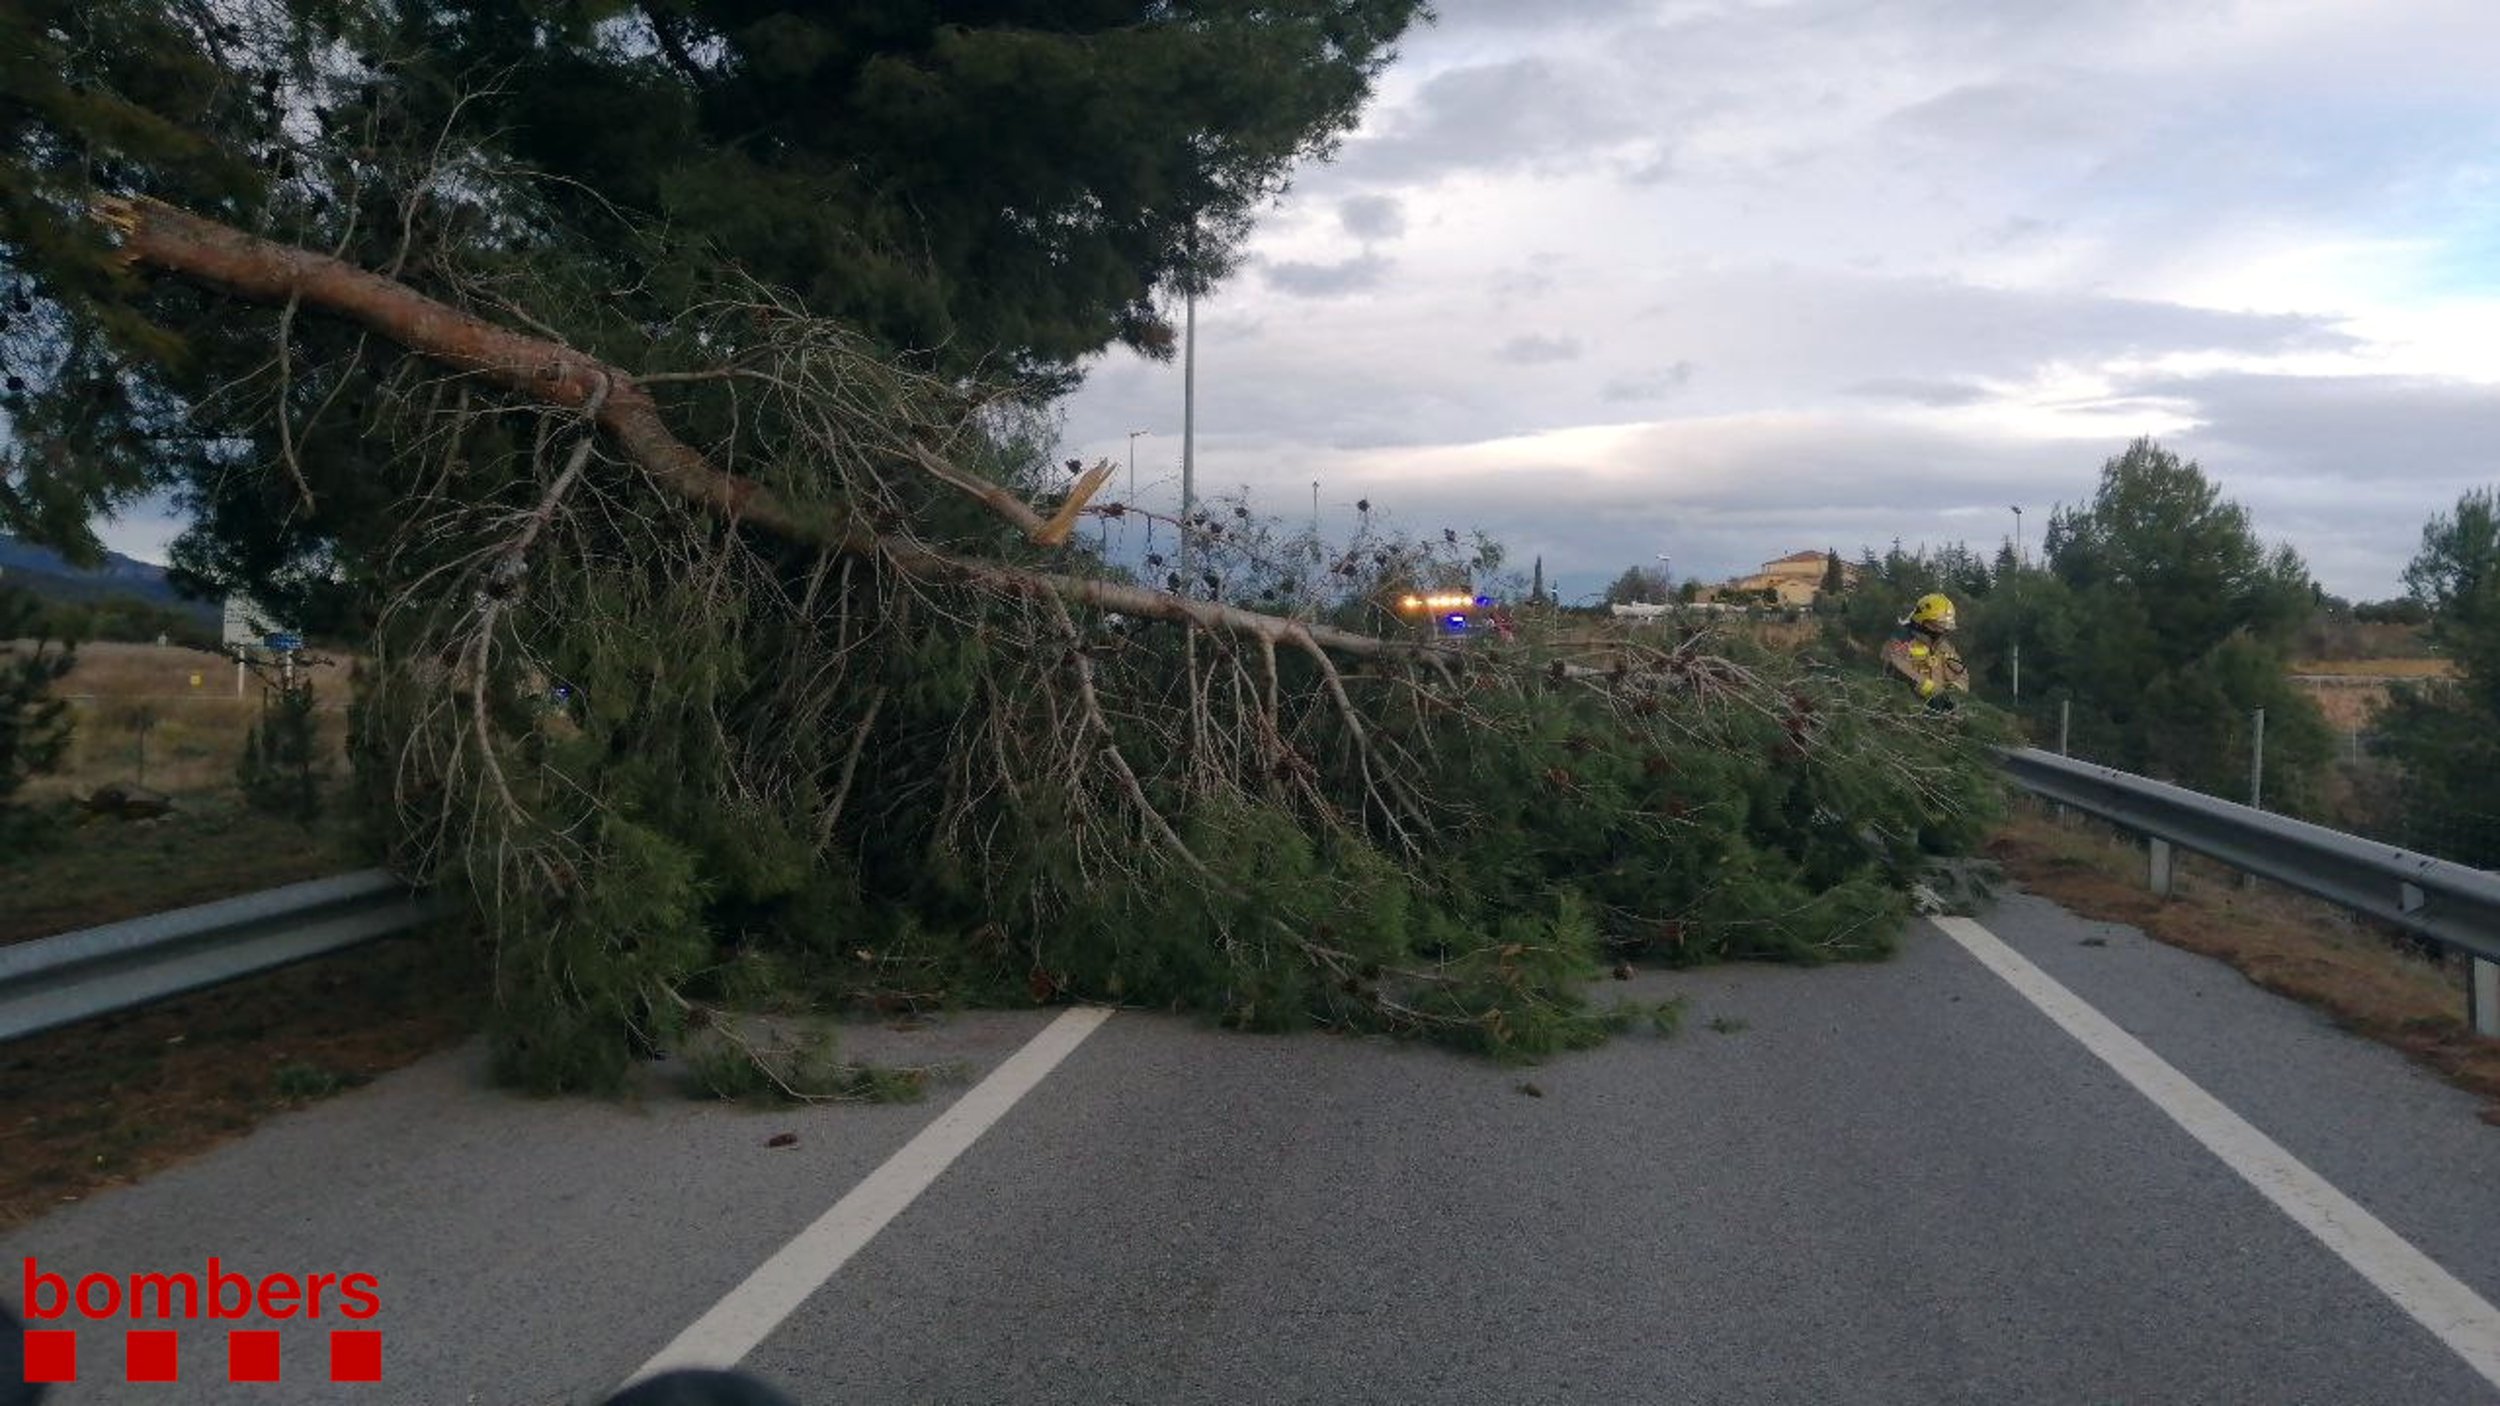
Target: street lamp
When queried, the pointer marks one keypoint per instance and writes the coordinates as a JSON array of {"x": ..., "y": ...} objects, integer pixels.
[
  {"x": 1666, "y": 580},
  {"x": 1189, "y": 399},
  {"x": 1132, "y": 485}
]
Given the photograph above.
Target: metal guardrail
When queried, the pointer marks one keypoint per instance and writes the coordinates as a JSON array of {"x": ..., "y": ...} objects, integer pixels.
[
  {"x": 55, "y": 981},
  {"x": 2450, "y": 903}
]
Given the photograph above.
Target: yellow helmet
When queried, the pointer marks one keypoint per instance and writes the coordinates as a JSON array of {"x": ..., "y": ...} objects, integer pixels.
[{"x": 1934, "y": 612}]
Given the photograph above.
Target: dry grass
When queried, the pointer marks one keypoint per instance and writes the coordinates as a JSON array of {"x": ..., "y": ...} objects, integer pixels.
[
  {"x": 107, "y": 1101},
  {"x": 2294, "y": 946},
  {"x": 2377, "y": 668},
  {"x": 2349, "y": 704},
  {"x": 2352, "y": 691},
  {"x": 211, "y": 847},
  {"x": 168, "y": 717}
]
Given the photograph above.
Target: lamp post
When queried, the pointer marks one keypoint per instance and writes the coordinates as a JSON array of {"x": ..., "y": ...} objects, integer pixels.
[
  {"x": 1132, "y": 483},
  {"x": 1132, "y": 465},
  {"x": 1189, "y": 407},
  {"x": 2017, "y": 595}
]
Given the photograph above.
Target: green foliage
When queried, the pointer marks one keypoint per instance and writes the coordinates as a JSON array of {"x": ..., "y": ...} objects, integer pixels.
[
  {"x": 680, "y": 766},
  {"x": 2455, "y": 576},
  {"x": 281, "y": 770},
  {"x": 589, "y": 967},
  {"x": 2159, "y": 617},
  {"x": 125, "y": 619},
  {"x": 991, "y": 191},
  {"x": 1638, "y": 585},
  {"x": 804, "y": 1066},
  {"x": 34, "y": 725},
  {"x": 300, "y": 1082},
  {"x": 2446, "y": 737},
  {"x": 2159, "y": 536}
]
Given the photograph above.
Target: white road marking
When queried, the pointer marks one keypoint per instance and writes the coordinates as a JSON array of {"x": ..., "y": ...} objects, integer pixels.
[
  {"x": 749, "y": 1313},
  {"x": 2454, "y": 1313}
]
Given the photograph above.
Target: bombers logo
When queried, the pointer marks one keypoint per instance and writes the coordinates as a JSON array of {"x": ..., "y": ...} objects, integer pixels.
[{"x": 151, "y": 1309}]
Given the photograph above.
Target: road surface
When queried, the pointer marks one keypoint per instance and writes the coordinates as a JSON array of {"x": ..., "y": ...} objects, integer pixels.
[{"x": 1902, "y": 1182}]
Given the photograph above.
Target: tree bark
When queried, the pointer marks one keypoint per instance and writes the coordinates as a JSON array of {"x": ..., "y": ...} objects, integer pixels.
[{"x": 158, "y": 236}]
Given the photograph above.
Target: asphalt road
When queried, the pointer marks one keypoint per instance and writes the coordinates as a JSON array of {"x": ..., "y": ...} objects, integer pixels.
[{"x": 1889, "y": 1183}]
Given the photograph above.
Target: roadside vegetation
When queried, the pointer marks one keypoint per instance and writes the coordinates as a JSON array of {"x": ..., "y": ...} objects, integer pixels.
[
  {"x": 661, "y": 403},
  {"x": 2369, "y": 978}
]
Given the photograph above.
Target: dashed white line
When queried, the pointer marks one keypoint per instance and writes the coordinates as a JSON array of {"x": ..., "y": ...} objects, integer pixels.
[
  {"x": 2433, "y": 1297},
  {"x": 750, "y": 1312}
]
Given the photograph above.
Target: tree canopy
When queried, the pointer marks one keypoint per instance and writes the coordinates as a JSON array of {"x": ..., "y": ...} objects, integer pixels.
[
  {"x": 997, "y": 189},
  {"x": 1639, "y": 585},
  {"x": 2447, "y": 737},
  {"x": 653, "y": 392},
  {"x": 2158, "y": 615}
]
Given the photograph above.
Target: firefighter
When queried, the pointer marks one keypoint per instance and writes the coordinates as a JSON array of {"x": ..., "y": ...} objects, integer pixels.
[{"x": 1921, "y": 651}]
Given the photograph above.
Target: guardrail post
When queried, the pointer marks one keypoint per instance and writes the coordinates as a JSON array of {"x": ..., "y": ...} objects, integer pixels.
[
  {"x": 2065, "y": 715},
  {"x": 2257, "y": 764},
  {"x": 2158, "y": 869},
  {"x": 2256, "y": 780},
  {"x": 2482, "y": 997}
]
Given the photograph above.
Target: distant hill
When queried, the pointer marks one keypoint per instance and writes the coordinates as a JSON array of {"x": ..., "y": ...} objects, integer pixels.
[{"x": 43, "y": 571}]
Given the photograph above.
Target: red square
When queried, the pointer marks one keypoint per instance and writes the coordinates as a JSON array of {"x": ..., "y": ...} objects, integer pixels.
[
  {"x": 355, "y": 1355},
  {"x": 51, "y": 1355},
  {"x": 251, "y": 1355},
  {"x": 148, "y": 1355}
]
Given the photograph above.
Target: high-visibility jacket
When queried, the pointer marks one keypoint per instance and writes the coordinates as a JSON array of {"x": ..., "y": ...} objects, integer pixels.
[{"x": 1928, "y": 661}]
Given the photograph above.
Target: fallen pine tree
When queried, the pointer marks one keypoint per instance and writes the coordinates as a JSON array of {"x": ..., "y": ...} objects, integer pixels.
[{"x": 776, "y": 720}]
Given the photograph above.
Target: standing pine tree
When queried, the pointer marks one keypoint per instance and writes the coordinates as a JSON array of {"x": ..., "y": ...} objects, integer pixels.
[
  {"x": 1835, "y": 578},
  {"x": 2442, "y": 734},
  {"x": 34, "y": 725},
  {"x": 281, "y": 770}
]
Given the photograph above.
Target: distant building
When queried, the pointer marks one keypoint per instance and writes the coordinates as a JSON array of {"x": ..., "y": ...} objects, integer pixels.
[{"x": 1795, "y": 579}]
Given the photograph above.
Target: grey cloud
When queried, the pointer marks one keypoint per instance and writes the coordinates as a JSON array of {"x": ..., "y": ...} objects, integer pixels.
[
  {"x": 2358, "y": 427},
  {"x": 1372, "y": 216},
  {"x": 1938, "y": 330},
  {"x": 1655, "y": 386},
  {"x": 1999, "y": 114},
  {"x": 2021, "y": 229},
  {"x": 1525, "y": 112},
  {"x": 1720, "y": 497},
  {"x": 2344, "y": 468},
  {"x": 1533, "y": 280},
  {"x": 1317, "y": 280},
  {"x": 1474, "y": 15},
  {"x": 1536, "y": 349},
  {"x": 1920, "y": 392}
]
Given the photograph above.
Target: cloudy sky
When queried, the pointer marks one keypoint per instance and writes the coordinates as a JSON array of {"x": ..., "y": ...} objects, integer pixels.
[{"x": 1724, "y": 279}]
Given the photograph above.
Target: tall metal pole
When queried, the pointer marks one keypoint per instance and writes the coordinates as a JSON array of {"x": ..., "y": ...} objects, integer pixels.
[
  {"x": 1189, "y": 423},
  {"x": 1317, "y": 551}
]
